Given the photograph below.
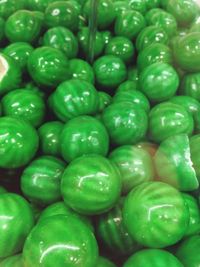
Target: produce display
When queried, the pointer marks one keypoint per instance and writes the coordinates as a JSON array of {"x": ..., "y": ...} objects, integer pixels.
[{"x": 99, "y": 133}]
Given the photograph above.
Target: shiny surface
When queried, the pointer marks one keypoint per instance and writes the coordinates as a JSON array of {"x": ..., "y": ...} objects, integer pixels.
[
  {"x": 128, "y": 85},
  {"x": 49, "y": 135},
  {"x": 112, "y": 232},
  {"x": 81, "y": 70},
  {"x": 168, "y": 119},
  {"x": 62, "y": 13},
  {"x": 174, "y": 165},
  {"x": 153, "y": 258},
  {"x": 151, "y": 35},
  {"x": 104, "y": 100},
  {"x": 109, "y": 71},
  {"x": 8, "y": 7},
  {"x": 63, "y": 39},
  {"x": 129, "y": 24},
  {"x": 82, "y": 136},
  {"x": 187, "y": 52},
  {"x": 194, "y": 147},
  {"x": 159, "y": 82},
  {"x": 155, "y": 215},
  {"x": 16, "y": 149},
  {"x": 91, "y": 185},
  {"x": 39, "y": 5},
  {"x": 138, "y": 5},
  {"x": 48, "y": 66},
  {"x": 135, "y": 165},
  {"x": 15, "y": 224},
  {"x": 23, "y": 26},
  {"x": 61, "y": 239},
  {"x": 24, "y": 104},
  {"x": 190, "y": 85},
  {"x": 40, "y": 180},
  {"x": 74, "y": 98},
  {"x": 126, "y": 123}
]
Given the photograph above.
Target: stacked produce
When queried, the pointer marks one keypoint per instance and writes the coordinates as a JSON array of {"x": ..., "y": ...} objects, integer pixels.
[{"x": 99, "y": 133}]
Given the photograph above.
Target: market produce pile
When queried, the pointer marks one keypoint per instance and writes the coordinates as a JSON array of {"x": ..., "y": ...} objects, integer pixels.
[{"x": 99, "y": 133}]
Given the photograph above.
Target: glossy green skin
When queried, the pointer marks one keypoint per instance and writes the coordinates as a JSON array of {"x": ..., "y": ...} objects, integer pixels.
[
  {"x": 153, "y": 54},
  {"x": 103, "y": 262},
  {"x": 168, "y": 119},
  {"x": 24, "y": 104},
  {"x": 112, "y": 232},
  {"x": 187, "y": 251},
  {"x": 128, "y": 86},
  {"x": 40, "y": 180},
  {"x": 2, "y": 26},
  {"x": 121, "y": 47},
  {"x": 153, "y": 258},
  {"x": 194, "y": 223},
  {"x": 48, "y": 66},
  {"x": 173, "y": 163},
  {"x": 183, "y": 11},
  {"x": 187, "y": 52},
  {"x": 74, "y": 98},
  {"x": 151, "y": 35},
  {"x": 109, "y": 71},
  {"x": 165, "y": 20},
  {"x": 133, "y": 74},
  {"x": 129, "y": 24},
  {"x": 49, "y": 135},
  {"x": 23, "y": 26},
  {"x": 152, "y": 3},
  {"x": 39, "y": 5},
  {"x": 16, "y": 148},
  {"x": 59, "y": 208},
  {"x": 62, "y": 13},
  {"x": 123, "y": 122},
  {"x": 63, "y": 39},
  {"x": 81, "y": 70},
  {"x": 106, "y": 35},
  {"x": 190, "y": 85},
  {"x": 155, "y": 214},
  {"x": 105, "y": 15},
  {"x": 82, "y": 136},
  {"x": 8, "y": 7},
  {"x": 192, "y": 106},
  {"x": 11, "y": 74},
  {"x": 194, "y": 147},
  {"x": 135, "y": 165},
  {"x": 83, "y": 38},
  {"x": 120, "y": 7},
  {"x": 16, "y": 222},
  {"x": 98, "y": 182},
  {"x": 104, "y": 100},
  {"x": 134, "y": 96},
  {"x": 13, "y": 261},
  {"x": 159, "y": 82},
  {"x": 20, "y": 52},
  {"x": 138, "y": 5},
  {"x": 151, "y": 13},
  {"x": 62, "y": 240}
]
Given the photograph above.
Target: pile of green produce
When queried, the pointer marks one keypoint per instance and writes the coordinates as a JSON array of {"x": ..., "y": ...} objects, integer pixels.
[{"x": 99, "y": 133}]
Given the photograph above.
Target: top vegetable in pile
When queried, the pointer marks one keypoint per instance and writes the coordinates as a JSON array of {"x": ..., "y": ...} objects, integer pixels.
[{"x": 99, "y": 157}]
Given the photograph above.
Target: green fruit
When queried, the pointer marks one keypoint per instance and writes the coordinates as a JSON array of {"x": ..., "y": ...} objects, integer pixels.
[
  {"x": 121, "y": 47},
  {"x": 2, "y": 28},
  {"x": 49, "y": 134},
  {"x": 135, "y": 165},
  {"x": 8, "y": 7},
  {"x": 153, "y": 258},
  {"x": 127, "y": 86},
  {"x": 18, "y": 142},
  {"x": 104, "y": 100},
  {"x": 62, "y": 13},
  {"x": 159, "y": 82},
  {"x": 40, "y": 180},
  {"x": 174, "y": 165},
  {"x": 152, "y": 3},
  {"x": 16, "y": 222},
  {"x": 103, "y": 262},
  {"x": 133, "y": 74},
  {"x": 2, "y": 190},
  {"x": 151, "y": 35},
  {"x": 74, "y": 98},
  {"x": 24, "y": 104},
  {"x": 123, "y": 122},
  {"x": 190, "y": 85},
  {"x": 129, "y": 24},
  {"x": 110, "y": 71},
  {"x": 194, "y": 147},
  {"x": 120, "y": 7},
  {"x": 81, "y": 70},
  {"x": 48, "y": 66},
  {"x": 155, "y": 214},
  {"x": 94, "y": 176},
  {"x": 13, "y": 261},
  {"x": 23, "y": 26},
  {"x": 39, "y": 5},
  {"x": 138, "y": 5},
  {"x": 82, "y": 136},
  {"x": 106, "y": 35},
  {"x": 63, "y": 39},
  {"x": 61, "y": 240},
  {"x": 168, "y": 119}
]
